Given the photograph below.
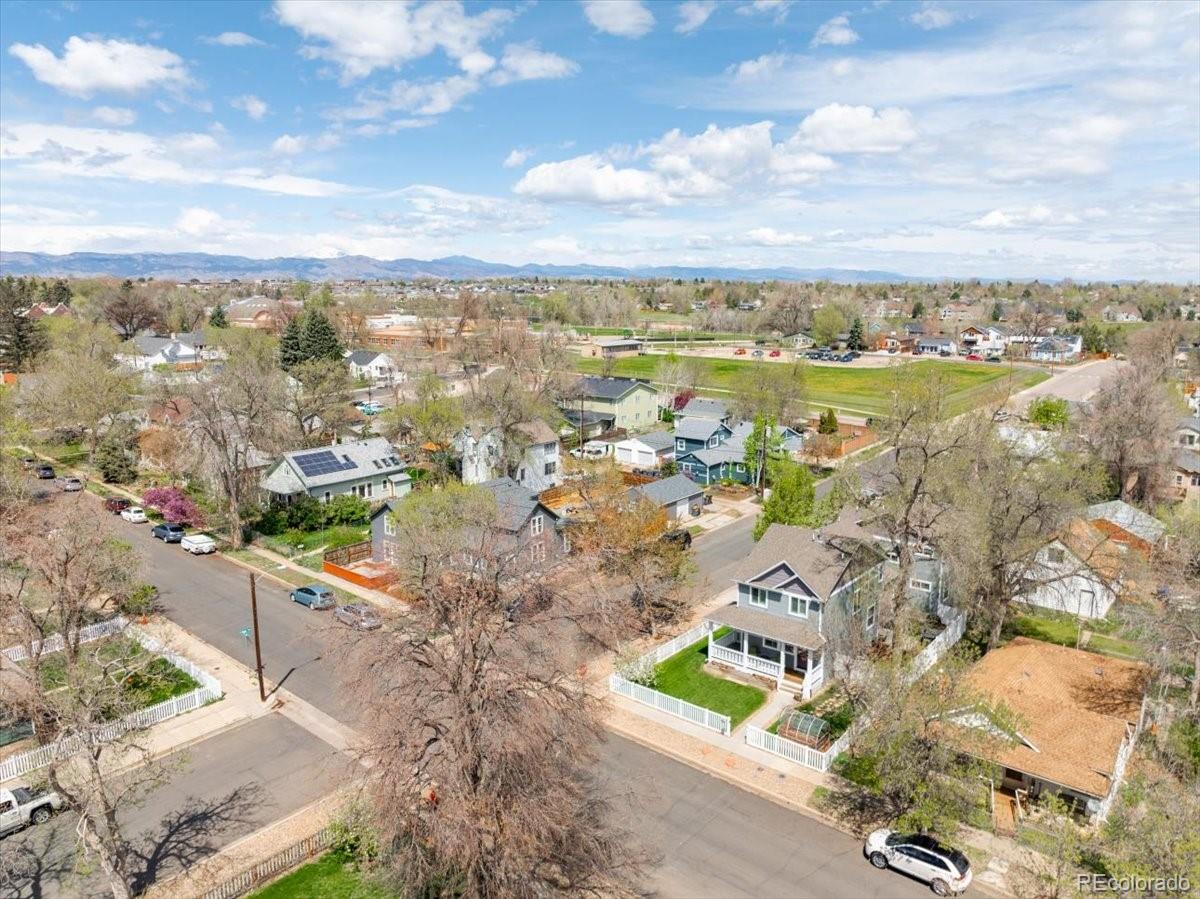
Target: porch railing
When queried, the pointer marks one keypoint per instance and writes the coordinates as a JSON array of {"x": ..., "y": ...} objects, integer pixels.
[{"x": 745, "y": 661}]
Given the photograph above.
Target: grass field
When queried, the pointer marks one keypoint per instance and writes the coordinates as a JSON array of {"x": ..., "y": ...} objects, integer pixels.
[
  {"x": 683, "y": 676},
  {"x": 329, "y": 877},
  {"x": 864, "y": 390}
]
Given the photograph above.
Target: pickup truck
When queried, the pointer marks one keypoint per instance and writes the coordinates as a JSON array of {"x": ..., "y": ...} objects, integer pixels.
[{"x": 21, "y": 807}]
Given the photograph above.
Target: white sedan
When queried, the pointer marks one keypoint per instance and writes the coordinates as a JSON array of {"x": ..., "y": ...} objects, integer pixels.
[{"x": 136, "y": 514}]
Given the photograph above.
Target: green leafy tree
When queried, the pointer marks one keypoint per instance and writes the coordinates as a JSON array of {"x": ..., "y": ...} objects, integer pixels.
[
  {"x": 218, "y": 318},
  {"x": 117, "y": 456},
  {"x": 997, "y": 311},
  {"x": 857, "y": 340},
  {"x": 318, "y": 338},
  {"x": 1049, "y": 412},
  {"x": 763, "y": 446},
  {"x": 22, "y": 339},
  {"x": 290, "y": 352},
  {"x": 793, "y": 498},
  {"x": 918, "y": 309},
  {"x": 828, "y": 323},
  {"x": 828, "y": 422}
]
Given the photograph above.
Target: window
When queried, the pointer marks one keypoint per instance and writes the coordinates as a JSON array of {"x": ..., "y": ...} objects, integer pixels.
[
  {"x": 389, "y": 525},
  {"x": 326, "y": 496},
  {"x": 712, "y": 441},
  {"x": 768, "y": 643},
  {"x": 566, "y": 543},
  {"x": 758, "y": 597},
  {"x": 798, "y": 605},
  {"x": 537, "y": 552},
  {"x": 551, "y": 467},
  {"x": 871, "y": 618},
  {"x": 370, "y": 488},
  {"x": 680, "y": 446},
  {"x": 1055, "y": 555},
  {"x": 535, "y": 525},
  {"x": 741, "y": 467},
  {"x": 1196, "y": 480},
  {"x": 923, "y": 586}
]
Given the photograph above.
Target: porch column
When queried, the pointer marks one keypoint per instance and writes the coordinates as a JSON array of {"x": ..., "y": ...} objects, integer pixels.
[
  {"x": 783, "y": 651},
  {"x": 807, "y": 674},
  {"x": 745, "y": 650}
]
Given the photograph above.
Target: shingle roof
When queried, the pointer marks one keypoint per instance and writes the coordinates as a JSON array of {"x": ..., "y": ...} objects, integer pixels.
[
  {"x": 657, "y": 440},
  {"x": 730, "y": 451},
  {"x": 514, "y": 503},
  {"x": 362, "y": 357},
  {"x": 537, "y": 431},
  {"x": 1187, "y": 460},
  {"x": 818, "y": 564},
  {"x": 702, "y": 407},
  {"x": 1074, "y": 706},
  {"x": 1191, "y": 422},
  {"x": 789, "y": 630},
  {"x": 668, "y": 491},
  {"x": 1128, "y": 518},
  {"x": 606, "y": 388},
  {"x": 697, "y": 428}
]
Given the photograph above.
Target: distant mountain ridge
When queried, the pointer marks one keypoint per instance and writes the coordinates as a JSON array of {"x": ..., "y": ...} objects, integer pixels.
[{"x": 205, "y": 265}]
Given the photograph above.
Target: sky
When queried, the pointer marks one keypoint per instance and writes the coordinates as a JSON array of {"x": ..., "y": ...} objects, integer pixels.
[{"x": 927, "y": 138}]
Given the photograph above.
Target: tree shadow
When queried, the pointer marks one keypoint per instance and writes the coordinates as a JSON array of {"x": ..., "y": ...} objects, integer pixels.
[
  {"x": 36, "y": 863},
  {"x": 192, "y": 833}
]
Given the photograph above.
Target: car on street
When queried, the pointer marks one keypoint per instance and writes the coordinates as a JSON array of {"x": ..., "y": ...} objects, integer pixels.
[
  {"x": 371, "y": 408},
  {"x": 358, "y": 615},
  {"x": 135, "y": 514},
  {"x": 315, "y": 596},
  {"x": 44, "y": 472},
  {"x": 994, "y": 359},
  {"x": 21, "y": 806},
  {"x": 69, "y": 485},
  {"x": 974, "y": 357},
  {"x": 846, "y": 357},
  {"x": 946, "y": 870},
  {"x": 116, "y": 504},
  {"x": 774, "y": 354},
  {"x": 740, "y": 351},
  {"x": 168, "y": 533},
  {"x": 198, "y": 544}
]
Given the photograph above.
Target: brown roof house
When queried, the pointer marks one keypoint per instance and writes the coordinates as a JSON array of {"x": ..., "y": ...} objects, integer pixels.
[{"x": 1075, "y": 716}]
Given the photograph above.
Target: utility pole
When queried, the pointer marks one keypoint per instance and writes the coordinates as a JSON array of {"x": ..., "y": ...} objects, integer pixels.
[{"x": 262, "y": 690}]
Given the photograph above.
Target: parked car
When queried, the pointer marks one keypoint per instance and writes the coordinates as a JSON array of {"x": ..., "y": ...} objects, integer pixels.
[
  {"x": 757, "y": 354},
  {"x": 28, "y": 462},
  {"x": 315, "y": 596},
  {"x": 994, "y": 359},
  {"x": 69, "y": 485},
  {"x": 168, "y": 533},
  {"x": 593, "y": 449},
  {"x": 946, "y": 870},
  {"x": 136, "y": 514},
  {"x": 44, "y": 472},
  {"x": 357, "y": 615},
  {"x": 740, "y": 351},
  {"x": 813, "y": 354},
  {"x": 371, "y": 408},
  {"x": 974, "y": 357},
  {"x": 846, "y": 357},
  {"x": 116, "y": 504},
  {"x": 20, "y": 807},
  {"x": 681, "y": 537},
  {"x": 774, "y": 354},
  {"x": 198, "y": 544}
]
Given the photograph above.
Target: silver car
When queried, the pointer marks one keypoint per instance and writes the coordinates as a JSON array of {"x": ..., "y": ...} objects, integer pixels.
[
  {"x": 357, "y": 615},
  {"x": 946, "y": 870}
]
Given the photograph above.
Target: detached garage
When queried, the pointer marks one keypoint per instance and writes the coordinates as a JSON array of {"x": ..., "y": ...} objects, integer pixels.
[
  {"x": 646, "y": 450},
  {"x": 679, "y": 496}
]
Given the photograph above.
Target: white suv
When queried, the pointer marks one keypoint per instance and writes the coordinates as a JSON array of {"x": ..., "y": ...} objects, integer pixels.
[{"x": 946, "y": 870}]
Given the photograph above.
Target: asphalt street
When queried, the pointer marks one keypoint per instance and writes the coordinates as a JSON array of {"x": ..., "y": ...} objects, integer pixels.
[
  {"x": 218, "y": 790},
  {"x": 1076, "y": 384}
]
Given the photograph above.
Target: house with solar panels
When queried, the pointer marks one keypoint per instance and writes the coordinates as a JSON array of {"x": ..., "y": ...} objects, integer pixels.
[{"x": 369, "y": 469}]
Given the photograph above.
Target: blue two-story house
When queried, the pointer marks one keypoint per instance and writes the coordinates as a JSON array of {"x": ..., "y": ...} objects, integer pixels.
[
  {"x": 699, "y": 433},
  {"x": 800, "y": 592}
]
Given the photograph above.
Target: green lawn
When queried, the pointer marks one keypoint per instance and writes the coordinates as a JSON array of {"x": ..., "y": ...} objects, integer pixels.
[
  {"x": 1114, "y": 646},
  {"x": 1052, "y": 629},
  {"x": 154, "y": 682},
  {"x": 329, "y": 877},
  {"x": 683, "y": 676},
  {"x": 865, "y": 390},
  {"x": 332, "y": 538}
]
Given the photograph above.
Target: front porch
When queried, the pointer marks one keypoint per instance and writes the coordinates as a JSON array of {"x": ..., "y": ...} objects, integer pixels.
[{"x": 774, "y": 651}]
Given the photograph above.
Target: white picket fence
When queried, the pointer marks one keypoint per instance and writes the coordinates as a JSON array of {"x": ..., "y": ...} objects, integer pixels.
[
  {"x": 796, "y": 752},
  {"x": 55, "y": 642},
  {"x": 209, "y": 689},
  {"x": 671, "y": 705},
  {"x": 683, "y": 641},
  {"x": 938, "y": 647}
]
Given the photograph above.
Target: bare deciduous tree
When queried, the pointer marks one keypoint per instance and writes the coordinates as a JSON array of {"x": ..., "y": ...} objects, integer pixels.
[{"x": 1129, "y": 427}]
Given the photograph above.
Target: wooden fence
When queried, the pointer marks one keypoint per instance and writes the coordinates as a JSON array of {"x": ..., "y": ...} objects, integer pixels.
[
  {"x": 348, "y": 555},
  {"x": 293, "y": 856}
]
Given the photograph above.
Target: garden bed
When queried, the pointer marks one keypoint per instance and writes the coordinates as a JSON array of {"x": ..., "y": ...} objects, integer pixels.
[
  {"x": 683, "y": 676},
  {"x": 294, "y": 542}
]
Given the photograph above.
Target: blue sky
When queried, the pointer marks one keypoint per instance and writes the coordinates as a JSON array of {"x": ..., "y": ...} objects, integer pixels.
[{"x": 929, "y": 138}]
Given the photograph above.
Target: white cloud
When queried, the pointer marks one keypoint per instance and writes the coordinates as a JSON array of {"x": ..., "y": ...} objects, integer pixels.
[
  {"x": 89, "y": 66},
  {"x": 857, "y": 129},
  {"x": 114, "y": 115},
  {"x": 836, "y": 31},
  {"x": 1078, "y": 147},
  {"x": 233, "y": 39},
  {"x": 693, "y": 14},
  {"x": 932, "y": 16},
  {"x": 517, "y": 157},
  {"x": 592, "y": 179},
  {"x": 623, "y": 18},
  {"x": 526, "y": 62},
  {"x": 361, "y": 36},
  {"x": 436, "y": 211},
  {"x": 776, "y": 8},
  {"x": 250, "y": 105},
  {"x": 288, "y": 145},
  {"x": 769, "y": 237},
  {"x": 197, "y": 221},
  {"x": 65, "y": 151}
]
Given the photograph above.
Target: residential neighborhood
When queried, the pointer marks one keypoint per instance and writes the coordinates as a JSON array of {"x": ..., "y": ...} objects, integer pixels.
[{"x": 599, "y": 450}]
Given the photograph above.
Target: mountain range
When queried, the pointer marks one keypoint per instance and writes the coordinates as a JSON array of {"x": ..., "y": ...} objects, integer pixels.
[{"x": 337, "y": 268}]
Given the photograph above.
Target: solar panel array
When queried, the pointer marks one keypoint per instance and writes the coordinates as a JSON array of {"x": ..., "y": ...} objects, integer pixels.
[{"x": 325, "y": 462}]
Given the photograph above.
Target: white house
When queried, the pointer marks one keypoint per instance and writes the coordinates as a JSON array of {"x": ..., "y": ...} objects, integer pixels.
[
  {"x": 369, "y": 469},
  {"x": 1079, "y": 572},
  {"x": 1057, "y": 349},
  {"x": 645, "y": 450},
  {"x": 1125, "y": 313},
  {"x": 374, "y": 367},
  {"x": 798, "y": 341},
  {"x": 146, "y": 351},
  {"x": 991, "y": 339},
  {"x": 940, "y": 346},
  {"x": 482, "y": 456}
]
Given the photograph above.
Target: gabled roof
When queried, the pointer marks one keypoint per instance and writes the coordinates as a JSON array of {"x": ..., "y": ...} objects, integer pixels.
[
  {"x": 820, "y": 564},
  {"x": 1128, "y": 518},
  {"x": 360, "y": 459},
  {"x": 698, "y": 428},
  {"x": 514, "y": 503},
  {"x": 537, "y": 431},
  {"x": 668, "y": 491},
  {"x": 1074, "y": 706},
  {"x": 1187, "y": 460},
  {"x": 702, "y": 407},
  {"x": 607, "y": 388},
  {"x": 1189, "y": 423},
  {"x": 362, "y": 357},
  {"x": 655, "y": 440},
  {"x": 729, "y": 451}
]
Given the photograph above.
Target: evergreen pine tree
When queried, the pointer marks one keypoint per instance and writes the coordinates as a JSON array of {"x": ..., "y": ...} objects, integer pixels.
[
  {"x": 997, "y": 311},
  {"x": 290, "y": 352},
  {"x": 21, "y": 339},
  {"x": 856, "y": 341},
  {"x": 918, "y": 309},
  {"x": 116, "y": 457},
  {"x": 218, "y": 319},
  {"x": 828, "y": 423},
  {"x": 318, "y": 339}
]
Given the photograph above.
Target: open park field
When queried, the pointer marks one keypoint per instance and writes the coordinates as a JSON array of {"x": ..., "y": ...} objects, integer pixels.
[{"x": 862, "y": 390}]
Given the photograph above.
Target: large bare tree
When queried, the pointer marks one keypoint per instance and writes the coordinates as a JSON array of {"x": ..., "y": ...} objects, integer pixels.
[{"x": 1129, "y": 426}]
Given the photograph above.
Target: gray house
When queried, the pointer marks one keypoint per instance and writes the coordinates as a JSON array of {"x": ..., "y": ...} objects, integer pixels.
[
  {"x": 702, "y": 407},
  {"x": 366, "y": 468},
  {"x": 699, "y": 433},
  {"x": 799, "y": 592},
  {"x": 678, "y": 495}
]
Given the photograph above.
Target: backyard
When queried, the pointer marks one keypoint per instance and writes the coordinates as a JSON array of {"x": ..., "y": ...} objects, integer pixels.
[
  {"x": 863, "y": 390},
  {"x": 683, "y": 676},
  {"x": 154, "y": 681},
  {"x": 332, "y": 876},
  {"x": 1102, "y": 635}
]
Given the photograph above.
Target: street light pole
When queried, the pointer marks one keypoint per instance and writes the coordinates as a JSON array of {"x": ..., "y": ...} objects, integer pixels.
[{"x": 262, "y": 690}]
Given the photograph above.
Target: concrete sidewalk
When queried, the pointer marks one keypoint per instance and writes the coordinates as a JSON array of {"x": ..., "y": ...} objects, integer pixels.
[{"x": 376, "y": 597}]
